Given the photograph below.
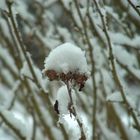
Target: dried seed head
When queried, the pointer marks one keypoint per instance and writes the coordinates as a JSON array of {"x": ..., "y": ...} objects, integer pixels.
[
  {"x": 77, "y": 78},
  {"x": 51, "y": 74}
]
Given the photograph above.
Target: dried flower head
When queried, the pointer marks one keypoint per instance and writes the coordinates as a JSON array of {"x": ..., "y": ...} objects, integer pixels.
[
  {"x": 76, "y": 78},
  {"x": 67, "y": 63}
]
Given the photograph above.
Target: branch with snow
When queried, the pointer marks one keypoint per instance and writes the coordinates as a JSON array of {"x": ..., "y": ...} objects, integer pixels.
[
  {"x": 114, "y": 71},
  {"x": 67, "y": 63},
  {"x": 18, "y": 128},
  {"x": 30, "y": 30}
]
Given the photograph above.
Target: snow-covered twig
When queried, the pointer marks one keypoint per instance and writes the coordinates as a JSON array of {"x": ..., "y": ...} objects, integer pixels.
[
  {"x": 15, "y": 130},
  {"x": 134, "y": 7},
  {"x": 73, "y": 112},
  {"x": 27, "y": 57},
  {"x": 90, "y": 48},
  {"x": 114, "y": 71}
]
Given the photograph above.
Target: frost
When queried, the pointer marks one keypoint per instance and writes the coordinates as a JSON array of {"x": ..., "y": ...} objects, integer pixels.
[{"x": 67, "y": 58}]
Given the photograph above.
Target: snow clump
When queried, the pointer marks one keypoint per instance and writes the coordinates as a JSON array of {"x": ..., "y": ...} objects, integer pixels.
[
  {"x": 67, "y": 57},
  {"x": 67, "y": 62},
  {"x": 63, "y": 100}
]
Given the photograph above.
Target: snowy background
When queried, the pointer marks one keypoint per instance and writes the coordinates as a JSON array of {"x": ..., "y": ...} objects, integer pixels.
[{"x": 51, "y": 49}]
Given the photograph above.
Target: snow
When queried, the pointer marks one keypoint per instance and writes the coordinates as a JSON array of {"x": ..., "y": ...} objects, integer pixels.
[
  {"x": 111, "y": 11},
  {"x": 48, "y": 3},
  {"x": 7, "y": 75},
  {"x": 21, "y": 8},
  {"x": 9, "y": 60},
  {"x": 72, "y": 127},
  {"x": 64, "y": 100},
  {"x": 4, "y": 93},
  {"x": 135, "y": 71},
  {"x": 107, "y": 132},
  {"x": 64, "y": 33},
  {"x": 25, "y": 72},
  {"x": 58, "y": 135},
  {"x": 2, "y": 4},
  {"x": 130, "y": 9},
  {"x": 15, "y": 121},
  {"x": 124, "y": 56},
  {"x": 107, "y": 79},
  {"x": 4, "y": 136},
  {"x": 98, "y": 56},
  {"x": 67, "y": 3},
  {"x": 49, "y": 33},
  {"x": 97, "y": 23},
  {"x": 48, "y": 41},
  {"x": 122, "y": 39},
  {"x": 115, "y": 97},
  {"x": 76, "y": 17},
  {"x": 119, "y": 38},
  {"x": 67, "y": 58},
  {"x": 22, "y": 123},
  {"x": 4, "y": 27}
]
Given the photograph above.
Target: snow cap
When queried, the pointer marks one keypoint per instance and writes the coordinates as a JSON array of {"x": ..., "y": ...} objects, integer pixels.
[{"x": 67, "y": 58}]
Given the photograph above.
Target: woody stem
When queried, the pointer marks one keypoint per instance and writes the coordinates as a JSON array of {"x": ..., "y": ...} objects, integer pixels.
[
  {"x": 69, "y": 92},
  {"x": 73, "y": 111}
]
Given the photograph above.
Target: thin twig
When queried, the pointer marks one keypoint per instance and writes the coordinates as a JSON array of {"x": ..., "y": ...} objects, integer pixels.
[
  {"x": 16, "y": 51},
  {"x": 22, "y": 46},
  {"x": 113, "y": 113},
  {"x": 130, "y": 17},
  {"x": 92, "y": 68},
  {"x": 43, "y": 94},
  {"x": 114, "y": 72},
  {"x": 73, "y": 111},
  {"x": 134, "y": 7},
  {"x": 18, "y": 35},
  {"x": 39, "y": 113},
  {"x": 15, "y": 130},
  {"x": 130, "y": 72}
]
